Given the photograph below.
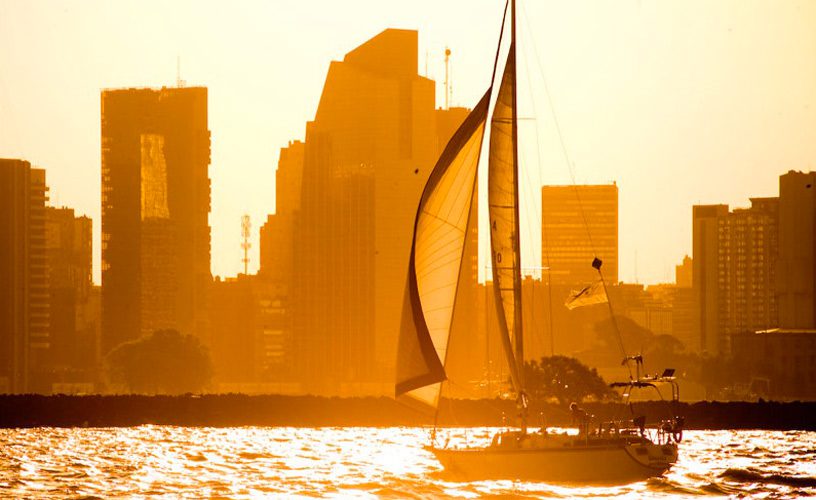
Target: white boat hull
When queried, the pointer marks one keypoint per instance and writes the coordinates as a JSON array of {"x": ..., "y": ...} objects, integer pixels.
[{"x": 614, "y": 463}]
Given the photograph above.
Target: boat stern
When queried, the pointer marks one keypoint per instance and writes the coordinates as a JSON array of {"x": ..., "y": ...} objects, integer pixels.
[{"x": 653, "y": 456}]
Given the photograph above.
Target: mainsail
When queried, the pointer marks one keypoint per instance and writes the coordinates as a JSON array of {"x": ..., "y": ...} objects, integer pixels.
[
  {"x": 440, "y": 230},
  {"x": 502, "y": 197}
]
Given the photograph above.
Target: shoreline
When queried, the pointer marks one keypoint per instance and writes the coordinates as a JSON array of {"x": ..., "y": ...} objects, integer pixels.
[{"x": 238, "y": 410}]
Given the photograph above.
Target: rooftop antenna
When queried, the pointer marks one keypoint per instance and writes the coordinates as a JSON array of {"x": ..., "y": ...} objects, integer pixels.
[
  {"x": 447, "y": 78},
  {"x": 179, "y": 82},
  {"x": 246, "y": 227}
]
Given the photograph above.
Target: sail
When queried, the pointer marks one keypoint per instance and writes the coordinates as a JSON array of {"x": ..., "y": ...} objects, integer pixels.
[
  {"x": 502, "y": 200},
  {"x": 440, "y": 230}
]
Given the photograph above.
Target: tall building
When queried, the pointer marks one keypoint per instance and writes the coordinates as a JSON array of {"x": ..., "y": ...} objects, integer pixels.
[
  {"x": 705, "y": 275},
  {"x": 24, "y": 304},
  {"x": 734, "y": 271},
  {"x": 579, "y": 223},
  {"x": 367, "y": 156},
  {"x": 277, "y": 234},
  {"x": 797, "y": 250},
  {"x": 69, "y": 250},
  {"x": 747, "y": 269},
  {"x": 781, "y": 353},
  {"x": 155, "y": 209}
]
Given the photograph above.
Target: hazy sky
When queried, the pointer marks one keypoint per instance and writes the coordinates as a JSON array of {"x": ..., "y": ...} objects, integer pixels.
[{"x": 679, "y": 102}]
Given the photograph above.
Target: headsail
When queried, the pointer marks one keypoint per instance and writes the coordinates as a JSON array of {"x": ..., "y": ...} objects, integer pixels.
[
  {"x": 440, "y": 230},
  {"x": 504, "y": 224}
]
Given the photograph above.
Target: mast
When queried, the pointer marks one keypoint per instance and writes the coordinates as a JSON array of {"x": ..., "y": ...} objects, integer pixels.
[
  {"x": 503, "y": 205},
  {"x": 517, "y": 323}
]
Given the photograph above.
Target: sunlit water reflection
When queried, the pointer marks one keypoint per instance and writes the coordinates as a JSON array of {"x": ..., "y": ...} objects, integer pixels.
[{"x": 358, "y": 462}]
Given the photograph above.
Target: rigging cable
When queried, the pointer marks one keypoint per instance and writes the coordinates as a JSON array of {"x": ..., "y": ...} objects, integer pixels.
[
  {"x": 540, "y": 215},
  {"x": 578, "y": 198}
]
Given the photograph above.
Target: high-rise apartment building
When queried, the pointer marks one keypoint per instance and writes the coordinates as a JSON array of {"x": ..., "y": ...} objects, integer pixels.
[
  {"x": 24, "y": 304},
  {"x": 155, "y": 210},
  {"x": 734, "y": 271},
  {"x": 579, "y": 223},
  {"x": 747, "y": 246},
  {"x": 782, "y": 351}
]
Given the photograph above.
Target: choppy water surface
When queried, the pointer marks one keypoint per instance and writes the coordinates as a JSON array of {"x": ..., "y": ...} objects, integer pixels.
[{"x": 358, "y": 462}]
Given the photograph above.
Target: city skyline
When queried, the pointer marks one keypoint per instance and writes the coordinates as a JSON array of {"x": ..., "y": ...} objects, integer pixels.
[
  {"x": 366, "y": 248},
  {"x": 718, "y": 106},
  {"x": 319, "y": 316}
]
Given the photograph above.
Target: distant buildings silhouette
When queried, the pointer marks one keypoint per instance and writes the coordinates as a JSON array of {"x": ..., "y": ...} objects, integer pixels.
[
  {"x": 49, "y": 308},
  {"x": 322, "y": 314}
]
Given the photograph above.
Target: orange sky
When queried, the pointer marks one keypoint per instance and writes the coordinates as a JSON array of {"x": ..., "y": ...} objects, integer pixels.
[{"x": 679, "y": 102}]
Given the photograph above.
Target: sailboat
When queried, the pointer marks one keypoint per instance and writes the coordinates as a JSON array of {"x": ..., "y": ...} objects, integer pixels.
[{"x": 620, "y": 451}]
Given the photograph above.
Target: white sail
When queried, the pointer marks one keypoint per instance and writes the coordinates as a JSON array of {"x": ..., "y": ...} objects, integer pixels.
[
  {"x": 436, "y": 260},
  {"x": 618, "y": 451},
  {"x": 502, "y": 200}
]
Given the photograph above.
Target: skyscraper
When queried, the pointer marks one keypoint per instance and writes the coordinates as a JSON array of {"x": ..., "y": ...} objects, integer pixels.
[
  {"x": 368, "y": 154},
  {"x": 24, "y": 305},
  {"x": 155, "y": 209},
  {"x": 734, "y": 271},
  {"x": 579, "y": 223},
  {"x": 797, "y": 250},
  {"x": 747, "y": 269}
]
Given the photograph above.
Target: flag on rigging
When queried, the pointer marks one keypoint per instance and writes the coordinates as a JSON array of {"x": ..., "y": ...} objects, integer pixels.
[{"x": 594, "y": 293}]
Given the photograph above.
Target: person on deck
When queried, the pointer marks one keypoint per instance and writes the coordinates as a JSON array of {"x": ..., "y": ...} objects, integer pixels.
[{"x": 580, "y": 418}]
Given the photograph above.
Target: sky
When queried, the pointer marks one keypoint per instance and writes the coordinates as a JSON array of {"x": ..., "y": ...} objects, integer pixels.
[{"x": 678, "y": 102}]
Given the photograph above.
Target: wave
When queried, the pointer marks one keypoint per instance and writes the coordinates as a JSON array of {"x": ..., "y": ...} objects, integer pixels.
[
  {"x": 750, "y": 476},
  {"x": 667, "y": 486}
]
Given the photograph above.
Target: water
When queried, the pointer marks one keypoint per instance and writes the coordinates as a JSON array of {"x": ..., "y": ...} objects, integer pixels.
[{"x": 358, "y": 462}]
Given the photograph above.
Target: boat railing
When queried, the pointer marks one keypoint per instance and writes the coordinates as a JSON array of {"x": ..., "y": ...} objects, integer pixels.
[{"x": 663, "y": 432}]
